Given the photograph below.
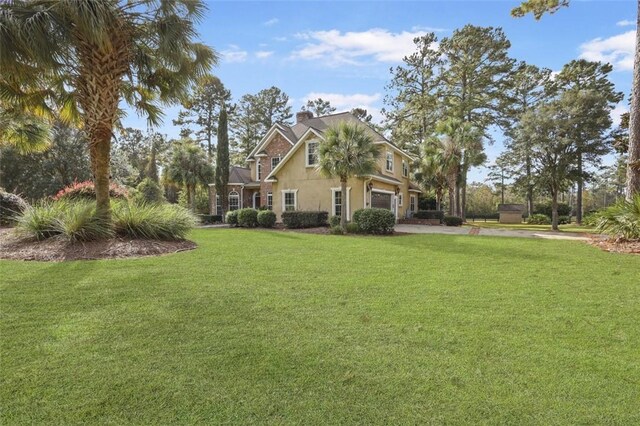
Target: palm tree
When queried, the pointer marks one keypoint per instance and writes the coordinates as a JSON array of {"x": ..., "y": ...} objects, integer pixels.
[
  {"x": 190, "y": 167},
  {"x": 346, "y": 151},
  {"x": 443, "y": 157},
  {"x": 23, "y": 132},
  {"x": 433, "y": 172},
  {"x": 83, "y": 58}
]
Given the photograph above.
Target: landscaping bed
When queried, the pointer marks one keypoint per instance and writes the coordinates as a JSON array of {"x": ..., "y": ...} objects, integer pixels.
[{"x": 56, "y": 250}]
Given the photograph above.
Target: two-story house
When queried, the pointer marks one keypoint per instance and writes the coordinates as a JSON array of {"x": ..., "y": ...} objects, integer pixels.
[{"x": 282, "y": 174}]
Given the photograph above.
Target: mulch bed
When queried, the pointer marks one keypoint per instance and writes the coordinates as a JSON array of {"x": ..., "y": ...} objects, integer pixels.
[
  {"x": 55, "y": 250},
  {"x": 632, "y": 247}
]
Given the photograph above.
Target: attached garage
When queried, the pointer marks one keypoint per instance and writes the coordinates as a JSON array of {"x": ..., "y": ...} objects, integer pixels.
[{"x": 381, "y": 200}]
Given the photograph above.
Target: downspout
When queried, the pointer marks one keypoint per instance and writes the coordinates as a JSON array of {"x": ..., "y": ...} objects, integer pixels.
[{"x": 242, "y": 196}]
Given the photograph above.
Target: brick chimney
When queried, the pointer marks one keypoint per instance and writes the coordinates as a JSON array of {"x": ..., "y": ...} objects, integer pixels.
[{"x": 303, "y": 116}]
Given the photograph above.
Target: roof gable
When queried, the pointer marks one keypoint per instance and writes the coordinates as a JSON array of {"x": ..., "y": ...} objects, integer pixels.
[
  {"x": 301, "y": 141},
  {"x": 277, "y": 128}
]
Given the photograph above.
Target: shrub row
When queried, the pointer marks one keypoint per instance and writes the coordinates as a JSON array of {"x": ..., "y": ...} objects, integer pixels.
[
  {"x": 76, "y": 220},
  {"x": 539, "y": 219},
  {"x": 251, "y": 218},
  {"x": 546, "y": 208},
  {"x": 208, "y": 219},
  {"x": 374, "y": 221},
  {"x": 429, "y": 214},
  {"x": 304, "y": 219}
]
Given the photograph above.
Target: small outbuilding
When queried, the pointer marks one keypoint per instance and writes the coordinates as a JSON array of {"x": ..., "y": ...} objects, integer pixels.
[{"x": 510, "y": 213}]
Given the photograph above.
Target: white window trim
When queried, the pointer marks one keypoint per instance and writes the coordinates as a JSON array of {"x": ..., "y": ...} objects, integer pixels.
[
  {"x": 258, "y": 169},
  {"x": 400, "y": 199},
  {"x": 238, "y": 198},
  {"x": 348, "y": 203},
  {"x": 386, "y": 161},
  {"x": 295, "y": 198},
  {"x": 306, "y": 151},
  {"x": 273, "y": 158},
  {"x": 405, "y": 168},
  {"x": 412, "y": 201},
  {"x": 254, "y": 199},
  {"x": 270, "y": 196}
]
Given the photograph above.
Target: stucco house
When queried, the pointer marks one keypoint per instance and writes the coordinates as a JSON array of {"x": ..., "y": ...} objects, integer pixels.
[{"x": 281, "y": 174}]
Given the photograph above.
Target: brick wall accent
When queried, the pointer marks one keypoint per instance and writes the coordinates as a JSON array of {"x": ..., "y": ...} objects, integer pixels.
[{"x": 277, "y": 147}]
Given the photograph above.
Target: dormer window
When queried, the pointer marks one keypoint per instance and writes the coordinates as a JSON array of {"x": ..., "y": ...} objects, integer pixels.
[
  {"x": 405, "y": 168},
  {"x": 312, "y": 153},
  {"x": 258, "y": 171},
  {"x": 389, "y": 162}
]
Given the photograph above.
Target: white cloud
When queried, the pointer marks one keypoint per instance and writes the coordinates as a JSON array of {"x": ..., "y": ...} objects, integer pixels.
[
  {"x": 280, "y": 38},
  {"x": 625, "y": 23},
  {"x": 271, "y": 22},
  {"x": 263, "y": 54},
  {"x": 234, "y": 54},
  {"x": 346, "y": 102},
  {"x": 617, "y": 50},
  {"x": 335, "y": 47}
]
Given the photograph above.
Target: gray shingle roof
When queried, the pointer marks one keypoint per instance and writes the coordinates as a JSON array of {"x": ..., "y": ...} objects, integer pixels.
[
  {"x": 321, "y": 124},
  {"x": 518, "y": 208},
  {"x": 239, "y": 175}
]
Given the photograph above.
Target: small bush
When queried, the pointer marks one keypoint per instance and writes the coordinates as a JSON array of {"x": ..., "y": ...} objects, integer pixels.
[
  {"x": 72, "y": 220},
  {"x": 591, "y": 218},
  {"x": 353, "y": 228},
  {"x": 87, "y": 190},
  {"x": 149, "y": 191},
  {"x": 564, "y": 220},
  {"x": 539, "y": 219},
  {"x": 248, "y": 218},
  {"x": 304, "y": 219},
  {"x": 152, "y": 221},
  {"x": 622, "y": 220},
  {"x": 232, "y": 218},
  {"x": 374, "y": 220},
  {"x": 334, "y": 221},
  {"x": 429, "y": 214},
  {"x": 546, "y": 209},
  {"x": 11, "y": 206},
  {"x": 266, "y": 218},
  {"x": 452, "y": 221},
  {"x": 336, "y": 230}
]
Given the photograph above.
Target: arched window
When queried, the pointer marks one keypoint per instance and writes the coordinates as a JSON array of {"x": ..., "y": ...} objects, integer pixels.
[{"x": 234, "y": 201}]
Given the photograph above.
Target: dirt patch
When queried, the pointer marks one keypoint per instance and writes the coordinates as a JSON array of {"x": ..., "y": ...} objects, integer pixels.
[
  {"x": 632, "y": 247},
  {"x": 54, "y": 250}
]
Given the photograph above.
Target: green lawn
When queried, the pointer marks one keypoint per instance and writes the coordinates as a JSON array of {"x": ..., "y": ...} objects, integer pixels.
[
  {"x": 527, "y": 227},
  {"x": 275, "y": 327}
]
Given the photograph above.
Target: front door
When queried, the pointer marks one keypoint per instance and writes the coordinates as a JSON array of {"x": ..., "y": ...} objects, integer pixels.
[{"x": 256, "y": 200}]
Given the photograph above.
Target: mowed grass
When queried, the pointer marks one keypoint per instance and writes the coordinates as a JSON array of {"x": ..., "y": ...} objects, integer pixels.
[
  {"x": 494, "y": 224},
  {"x": 289, "y": 328}
]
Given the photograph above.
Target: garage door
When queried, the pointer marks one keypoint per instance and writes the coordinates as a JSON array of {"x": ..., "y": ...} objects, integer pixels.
[{"x": 381, "y": 200}]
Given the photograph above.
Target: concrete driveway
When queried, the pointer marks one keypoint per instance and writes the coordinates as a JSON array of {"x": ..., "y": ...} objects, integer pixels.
[{"x": 453, "y": 230}]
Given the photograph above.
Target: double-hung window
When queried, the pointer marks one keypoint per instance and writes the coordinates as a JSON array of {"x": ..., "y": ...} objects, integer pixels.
[
  {"x": 274, "y": 162},
  {"x": 270, "y": 200},
  {"x": 337, "y": 203},
  {"x": 412, "y": 203},
  {"x": 389, "y": 162},
  {"x": 312, "y": 153},
  {"x": 258, "y": 171},
  {"x": 218, "y": 205},
  {"x": 289, "y": 200},
  {"x": 405, "y": 168},
  {"x": 234, "y": 201},
  {"x": 400, "y": 200}
]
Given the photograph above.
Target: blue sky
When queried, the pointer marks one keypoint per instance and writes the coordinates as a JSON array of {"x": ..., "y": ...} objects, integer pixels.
[{"x": 342, "y": 50}]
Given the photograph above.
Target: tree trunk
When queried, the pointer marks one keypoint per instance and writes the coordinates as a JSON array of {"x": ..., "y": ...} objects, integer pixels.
[
  {"x": 554, "y": 210},
  {"x": 343, "y": 200},
  {"x": 452, "y": 197},
  {"x": 100, "y": 152},
  {"x": 529, "y": 187},
  {"x": 463, "y": 199},
  {"x": 580, "y": 185},
  {"x": 633, "y": 162},
  {"x": 438, "y": 200},
  {"x": 191, "y": 198}
]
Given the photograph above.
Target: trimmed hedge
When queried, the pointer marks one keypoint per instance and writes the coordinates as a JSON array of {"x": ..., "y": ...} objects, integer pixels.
[
  {"x": 374, "y": 220},
  {"x": 564, "y": 220},
  {"x": 266, "y": 218},
  {"x": 334, "y": 221},
  {"x": 539, "y": 219},
  {"x": 429, "y": 214},
  {"x": 247, "y": 218},
  {"x": 304, "y": 219},
  {"x": 353, "y": 228},
  {"x": 452, "y": 221},
  {"x": 232, "y": 218},
  {"x": 11, "y": 206}
]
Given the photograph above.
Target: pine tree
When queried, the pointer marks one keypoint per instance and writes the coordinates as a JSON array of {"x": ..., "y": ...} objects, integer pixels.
[
  {"x": 319, "y": 107},
  {"x": 222, "y": 161}
]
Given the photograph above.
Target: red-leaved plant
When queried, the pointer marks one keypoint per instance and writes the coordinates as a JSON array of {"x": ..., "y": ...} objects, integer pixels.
[{"x": 87, "y": 190}]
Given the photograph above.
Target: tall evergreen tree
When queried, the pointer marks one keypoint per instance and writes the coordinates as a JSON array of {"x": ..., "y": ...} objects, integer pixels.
[
  {"x": 201, "y": 110},
  {"x": 588, "y": 85},
  {"x": 474, "y": 79},
  {"x": 318, "y": 107},
  {"x": 256, "y": 114},
  {"x": 222, "y": 161}
]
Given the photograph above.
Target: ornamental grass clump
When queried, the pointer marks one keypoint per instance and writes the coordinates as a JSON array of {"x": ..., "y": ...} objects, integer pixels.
[{"x": 152, "y": 221}]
